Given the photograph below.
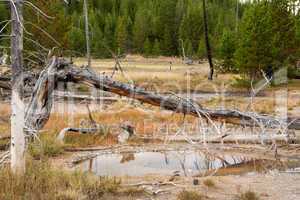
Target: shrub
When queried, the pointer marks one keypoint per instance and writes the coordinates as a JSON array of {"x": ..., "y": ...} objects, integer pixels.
[
  {"x": 293, "y": 73},
  {"x": 242, "y": 82},
  {"x": 248, "y": 195},
  {"x": 47, "y": 146},
  {"x": 133, "y": 191},
  {"x": 227, "y": 50},
  {"x": 209, "y": 183},
  {"x": 189, "y": 195}
]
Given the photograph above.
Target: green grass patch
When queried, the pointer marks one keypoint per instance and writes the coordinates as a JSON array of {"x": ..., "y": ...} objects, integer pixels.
[
  {"x": 47, "y": 146},
  {"x": 243, "y": 82}
]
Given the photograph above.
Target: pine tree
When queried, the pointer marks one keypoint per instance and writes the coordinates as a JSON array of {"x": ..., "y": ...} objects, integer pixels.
[
  {"x": 122, "y": 35},
  {"x": 201, "y": 52},
  {"x": 191, "y": 26},
  {"x": 227, "y": 49},
  {"x": 283, "y": 31},
  {"x": 109, "y": 32},
  {"x": 156, "y": 48},
  {"x": 188, "y": 48},
  {"x": 297, "y": 33},
  {"x": 140, "y": 29},
  {"x": 166, "y": 21},
  {"x": 147, "y": 48},
  {"x": 167, "y": 17},
  {"x": 180, "y": 10},
  {"x": 267, "y": 37},
  {"x": 99, "y": 48},
  {"x": 3, "y": 16},
  {"x": 76, "y": 39},
  {"x": 167, "y": 42},
  {"x": 254, "y": 51}
]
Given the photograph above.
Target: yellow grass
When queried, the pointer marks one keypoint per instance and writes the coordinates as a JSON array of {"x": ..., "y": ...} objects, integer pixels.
[
  {"x": 4, "y": 119},
  {"x": 154, "y": 74},
  {"x": 41, "y": 181},
  {"x": 259, "y": 104}
]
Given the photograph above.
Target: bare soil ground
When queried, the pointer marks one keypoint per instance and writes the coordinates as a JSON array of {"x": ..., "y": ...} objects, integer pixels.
[{"x": 271, "y": 186}]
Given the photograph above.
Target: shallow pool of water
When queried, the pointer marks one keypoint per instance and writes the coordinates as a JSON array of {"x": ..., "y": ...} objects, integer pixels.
[{"x": 185, "y": 163}]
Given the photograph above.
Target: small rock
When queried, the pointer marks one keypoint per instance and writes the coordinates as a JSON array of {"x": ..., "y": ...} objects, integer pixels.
[
  {"x": 195, "y": 182},
  {"x": 123, "y": 137}
]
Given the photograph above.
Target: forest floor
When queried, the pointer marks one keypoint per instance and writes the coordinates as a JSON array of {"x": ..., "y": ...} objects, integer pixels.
[{"x": 148, "y": 121}]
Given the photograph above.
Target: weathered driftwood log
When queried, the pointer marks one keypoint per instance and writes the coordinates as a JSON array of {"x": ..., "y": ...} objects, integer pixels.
[{"x": 59, "y": 69}]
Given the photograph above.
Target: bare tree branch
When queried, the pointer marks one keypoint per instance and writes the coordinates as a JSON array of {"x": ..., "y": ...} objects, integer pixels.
[
  {"x": 45, "y": 32},
  {"x": 38, "y": 10}
]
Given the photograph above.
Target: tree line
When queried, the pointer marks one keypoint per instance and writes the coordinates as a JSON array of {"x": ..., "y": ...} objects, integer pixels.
[
  {"x": 247, "y": 36},
  {"x": 148, "y": 27}
]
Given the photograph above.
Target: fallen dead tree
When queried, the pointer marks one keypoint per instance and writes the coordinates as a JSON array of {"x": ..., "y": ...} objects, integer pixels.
[
  {"x": 76, "y": 97},
  {"x": 238, "y": 138},
  {"x": 61, "y": 70},
  {"x": 171, "y": 102}
]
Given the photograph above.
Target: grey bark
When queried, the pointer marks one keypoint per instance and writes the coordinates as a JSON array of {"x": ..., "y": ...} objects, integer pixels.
[
  {"x": 87, "y": 32},
  {"x": 39, "y": 109},
  {"x": 17, "y": 105}
]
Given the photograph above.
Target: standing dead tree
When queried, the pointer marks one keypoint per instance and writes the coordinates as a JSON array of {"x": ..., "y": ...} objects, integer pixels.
[
  {"x": 208, "y": 49},
  {"x": 186, "y": 60},
  {"x": 17, "y": 104},
  {"x": 87, "y": 32}
]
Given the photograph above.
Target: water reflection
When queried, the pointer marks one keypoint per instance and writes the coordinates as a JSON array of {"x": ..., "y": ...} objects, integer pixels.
[
  {"x": 127, "y": 157},
  {"x": 188, "y": 163}
]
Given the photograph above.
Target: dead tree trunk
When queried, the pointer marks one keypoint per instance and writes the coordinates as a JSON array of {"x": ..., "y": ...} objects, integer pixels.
[
  {"x": 17, "y": 104},
  {"x": 208, "y": 49},
  {"x": 183, "y": 50},
  {"x": 173, "y": 103},
  {"x": 40, "y": 106},
  {"x": 87, "y": 33}
]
